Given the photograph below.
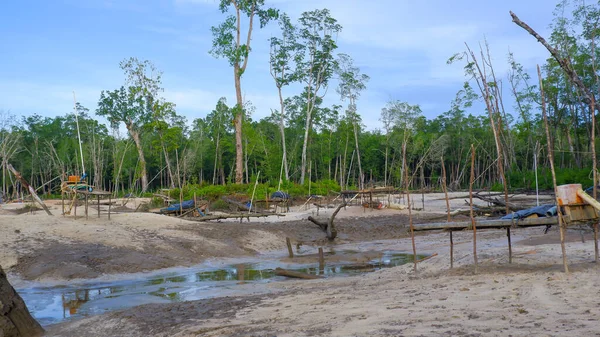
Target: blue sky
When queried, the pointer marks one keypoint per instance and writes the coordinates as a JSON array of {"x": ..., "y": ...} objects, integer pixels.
[{"x": 50, "y": 48}]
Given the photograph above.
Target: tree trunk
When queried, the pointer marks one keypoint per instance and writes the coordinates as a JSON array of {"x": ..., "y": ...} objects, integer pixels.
[
  {"x": 305, "y": 146},
  {"x": 15, "y": 319},
  {"x": 282, "y": 129},
  {"x": 138, "y": 144},
  {"x": 239, "y": 153}
]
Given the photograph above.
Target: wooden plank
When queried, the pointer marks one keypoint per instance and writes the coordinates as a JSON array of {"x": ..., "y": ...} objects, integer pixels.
[{"x": 487, "y": 224}]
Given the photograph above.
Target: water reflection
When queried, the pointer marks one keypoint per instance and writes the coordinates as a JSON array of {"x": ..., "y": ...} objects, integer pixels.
[{"x": 51, "y": 305}]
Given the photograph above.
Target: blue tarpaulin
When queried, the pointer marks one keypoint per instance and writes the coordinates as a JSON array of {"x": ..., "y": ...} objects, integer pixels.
[
  {"x": 280, "y": 194},
  {"x": 187, "y": 204},
  {"x": 541, "y": 211}
]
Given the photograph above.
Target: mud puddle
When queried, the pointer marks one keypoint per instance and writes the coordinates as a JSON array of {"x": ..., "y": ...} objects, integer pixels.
[{"x": 57, "y": 303}]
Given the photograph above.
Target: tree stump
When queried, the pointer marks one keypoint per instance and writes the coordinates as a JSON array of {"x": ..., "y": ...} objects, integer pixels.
[{"x": 15, "y": 319}]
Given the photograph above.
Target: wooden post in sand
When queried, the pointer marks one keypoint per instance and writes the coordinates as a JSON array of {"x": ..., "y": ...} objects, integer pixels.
[
  {"x": 448, "y": 219},
  {"x": 509, "y": 245},
  {"x": 451, "y": 251},
  {"x": 410, "y": 220},
  {"x": 289, "y": 247},
  {"x": 561, "y": 221},
  {"x": 472, "y": 180},
  {"x": 321, "y": 260}
]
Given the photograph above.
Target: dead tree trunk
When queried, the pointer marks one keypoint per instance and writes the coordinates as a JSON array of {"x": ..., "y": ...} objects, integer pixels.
[
  {"x": 15, "y": 319},
  {"x": 29, "y": 188},
  {"x": 328, "y": 226}
]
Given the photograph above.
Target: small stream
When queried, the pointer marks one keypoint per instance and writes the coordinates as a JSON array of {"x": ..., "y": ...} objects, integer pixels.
[{"x": 54, "y": 304}]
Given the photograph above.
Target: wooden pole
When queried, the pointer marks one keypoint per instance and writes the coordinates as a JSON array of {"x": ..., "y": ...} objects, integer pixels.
[
  {"x": 98, "y": 205},
  {"x": 472, "y": 180},
  {"x": 509, "y": 245},
  {"x": 289, "y": 247},
  {"x": 86, "y": 205},
  {"x": 445, "y": 189},
  {"x": 321, "y": 260},
  {"x": 451, "y": 251},
  {"x": 251, "y": 208},
  {"x": 62, "y": 197},
  {"x": 410, "y": 220},
  {"x": 561, "y": 221},
  {"x": 109, "y": 204},
  {"x": 29, "y": 188}
]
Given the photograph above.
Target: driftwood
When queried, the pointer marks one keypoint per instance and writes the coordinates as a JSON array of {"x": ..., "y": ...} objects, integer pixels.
[
  {"x": 296, "y": 274},
  {"x": 29, "y": 188},
  {"x": 15, "y": 319},
  {"x": 328, "y": 226},
  {"x": 499, "y": 202}
]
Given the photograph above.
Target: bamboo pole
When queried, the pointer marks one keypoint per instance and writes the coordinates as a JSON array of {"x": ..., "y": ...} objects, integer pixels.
[
  {"x": 445, "y": 190},
  {"x": 561, "y": 221},
  {"x": 471, "y": 206},
  {"x": 253, "y": 191},
  {"x": 448, "y": 219}
]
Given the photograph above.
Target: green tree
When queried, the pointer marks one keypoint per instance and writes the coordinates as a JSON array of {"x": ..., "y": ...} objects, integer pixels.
[
  {"x": 318, "y": 31},
  {"x": 227, "y": 43},
  {"x": 351, "y": 83},
  {"x": 284, "y": 51}
]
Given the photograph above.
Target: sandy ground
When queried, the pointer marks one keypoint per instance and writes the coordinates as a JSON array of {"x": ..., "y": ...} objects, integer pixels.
[
  {"x": 530, "y": 297},
  {"x": 35, "y": 246}
]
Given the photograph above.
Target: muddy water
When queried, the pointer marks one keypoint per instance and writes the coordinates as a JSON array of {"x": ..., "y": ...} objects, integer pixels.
[{"x": 57, "y": 303}]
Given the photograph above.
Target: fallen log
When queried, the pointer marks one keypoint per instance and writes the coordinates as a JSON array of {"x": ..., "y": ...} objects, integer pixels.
[
  {"x": 296, "y": 274},
  {"x": 232, "y": 216}
]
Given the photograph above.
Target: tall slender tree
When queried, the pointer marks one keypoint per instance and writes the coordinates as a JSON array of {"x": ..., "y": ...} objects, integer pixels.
[
  {"x": 318, "y": 32},
  {"x": 228, "y": 44}
]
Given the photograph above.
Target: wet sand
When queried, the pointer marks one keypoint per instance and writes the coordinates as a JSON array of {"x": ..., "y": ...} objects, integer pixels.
[{"x": 531, "y": 296}]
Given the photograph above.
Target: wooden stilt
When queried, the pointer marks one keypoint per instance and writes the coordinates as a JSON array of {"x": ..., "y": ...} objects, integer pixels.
[
  {"x": 321, "y": 260},
  {"x": 98, "y": 206},
  {"x": 596, "y": 242},
  {"x": 86, "y": 206},
  {"x": 451, "y": 251},
  {"x": 75, "y": 203},
  {"x": 509, "y": 245},
  {"x": 289, "y": 247},
  {"x": 473, "y": 224},
  {"x": 62, "y": 197},
  {"x": 109, "y": 204}
]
